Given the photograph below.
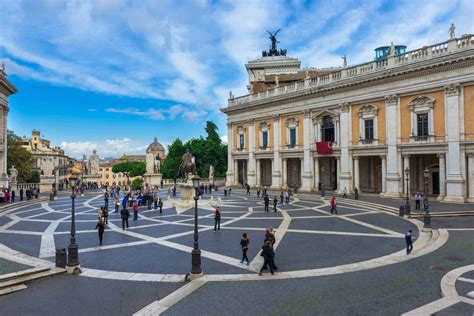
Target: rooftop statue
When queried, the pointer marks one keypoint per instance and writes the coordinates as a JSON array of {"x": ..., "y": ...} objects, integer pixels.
[{"x": 273, "y": 51}]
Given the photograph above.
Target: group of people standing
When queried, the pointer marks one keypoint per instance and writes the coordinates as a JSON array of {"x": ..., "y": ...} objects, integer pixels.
[{"x": 267, "y": 252}]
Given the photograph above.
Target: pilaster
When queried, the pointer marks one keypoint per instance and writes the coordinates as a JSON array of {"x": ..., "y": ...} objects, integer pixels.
[
  {"x": 230, "y": 179},
  {"x": 345, "y": 172},
  {"x": 306, "y": 164},
  {"x": 276, "y": 170},
  {"x": 251, "y": 179},
  {"x": 392, "y": 178}
]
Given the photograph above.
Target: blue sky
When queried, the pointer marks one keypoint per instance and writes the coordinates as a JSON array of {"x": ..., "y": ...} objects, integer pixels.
[{"x": 111, "y": 75}]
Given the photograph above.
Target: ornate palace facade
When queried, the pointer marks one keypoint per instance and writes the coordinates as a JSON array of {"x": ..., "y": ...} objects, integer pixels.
[
  {"x": 370, "y": 126},
  {"x": 6, "y": 90}
]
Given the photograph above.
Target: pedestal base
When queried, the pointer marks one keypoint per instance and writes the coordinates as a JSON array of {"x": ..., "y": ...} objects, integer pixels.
[
  {"x": 152, "y": 179},
  {"x": 46, "y": 184},
  {"x": 74, "y": 269},
  {"x": 91, "y": 178},
  {"x": 193, "y": 276}
]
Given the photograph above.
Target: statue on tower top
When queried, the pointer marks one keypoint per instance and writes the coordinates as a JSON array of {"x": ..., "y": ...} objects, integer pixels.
[{"x": 273, "y": 51}]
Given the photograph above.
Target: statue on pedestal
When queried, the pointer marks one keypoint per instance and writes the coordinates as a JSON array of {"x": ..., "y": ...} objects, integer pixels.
[
  {"x": 93, "y": 163},
  {"x": 13, "y": 174},
  {"x": 452, "y": 30},
  {"x": 211, "y": 172},
  {"x": 187, "y": 166},
  {"x": 47, "y": 167}
]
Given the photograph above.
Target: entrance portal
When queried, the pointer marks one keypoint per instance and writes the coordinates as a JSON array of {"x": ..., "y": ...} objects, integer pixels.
[{"x": 294, "y": 173}]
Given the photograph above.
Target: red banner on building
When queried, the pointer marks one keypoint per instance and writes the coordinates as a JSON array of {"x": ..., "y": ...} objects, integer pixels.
[{"x": 324, "y": 148}]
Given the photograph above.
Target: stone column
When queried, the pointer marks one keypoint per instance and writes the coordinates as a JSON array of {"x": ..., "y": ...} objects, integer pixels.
[
  {"x": 356, "y": 173},
  {"x": 406, "y": 164},
  {"x": 251, "y": 165},
  {"x": 230, "y": 179},
  {"x": 455, "y": 190},
  {"x": 393, "y": 174},
  {"x": 316, "y": 173},
  {"x": 345, "y": 172},
  {"x": 276, "y": 170},
  {"x": 338, "y": 174},
  {"x": 306, "y": 162},
  {"x": 258, "y": 173},
  {"x": 285, "y": 173},
  {"x": 442, "y": 177},
  {"x": 470, "y": 176},
  {"x": 384, "y": 175}
]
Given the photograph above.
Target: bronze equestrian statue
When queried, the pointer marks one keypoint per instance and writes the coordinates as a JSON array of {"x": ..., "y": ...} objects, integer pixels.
[{"x": 186, "y": 167}]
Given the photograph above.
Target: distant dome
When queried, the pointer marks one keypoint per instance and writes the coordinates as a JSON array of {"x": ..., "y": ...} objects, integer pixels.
[{"x": 155, "y": 147}]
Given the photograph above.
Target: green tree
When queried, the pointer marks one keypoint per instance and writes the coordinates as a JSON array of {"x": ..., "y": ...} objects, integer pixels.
[
  {"x": 169, "y": 168},
  {"x": 19, "y": 157},
  {"x": 130, "y": 169},
  {"x": 137, "y": 183},
  {"x": 207, "y": 151},
  {"x": 34, "y": 177}
]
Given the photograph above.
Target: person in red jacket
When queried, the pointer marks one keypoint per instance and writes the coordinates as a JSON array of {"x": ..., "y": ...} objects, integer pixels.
[{"x": 333, "y": 205}]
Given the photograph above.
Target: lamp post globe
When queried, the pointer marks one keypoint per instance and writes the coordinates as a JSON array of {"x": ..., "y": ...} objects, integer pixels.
[{"x": 427, "y": 215}]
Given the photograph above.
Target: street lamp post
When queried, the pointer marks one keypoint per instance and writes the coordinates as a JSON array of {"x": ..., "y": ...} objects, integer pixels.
[
  {"x": 426, "y": 216},
  {"x": 73, "y": 265},
  {"x": 407, "y": 201},
  {"x": 196, "y": 270}
]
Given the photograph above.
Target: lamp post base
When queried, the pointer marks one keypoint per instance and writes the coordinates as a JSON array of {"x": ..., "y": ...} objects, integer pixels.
[
  {"x": 73, "y": 269},
  {"x": 193, "y": 276}
]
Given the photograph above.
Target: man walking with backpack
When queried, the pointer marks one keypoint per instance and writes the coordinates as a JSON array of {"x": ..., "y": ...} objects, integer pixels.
[{"x": 217, "y": 219}]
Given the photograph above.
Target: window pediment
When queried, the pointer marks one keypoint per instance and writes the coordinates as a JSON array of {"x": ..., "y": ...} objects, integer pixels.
[
  {"x": 368, "y": 111},
  {"x": 291, "y": 122},
  {"x": 240, "y": 129},
  {"x": 318, "y": 116},
  {"x": 264, "y": 126},
  {"x": 421, "y": 103}
]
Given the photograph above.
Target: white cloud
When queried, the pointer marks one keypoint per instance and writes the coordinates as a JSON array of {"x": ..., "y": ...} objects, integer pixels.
[
  {"x": 152, "y": 114},
  {"x": 224, "y": 139},
  {"x": 105, "y": 148}
]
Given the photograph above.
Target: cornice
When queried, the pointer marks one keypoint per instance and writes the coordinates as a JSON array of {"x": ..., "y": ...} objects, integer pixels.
[
  {"x": 7, "y": 85},
  {"x": 423, "y": 68}
]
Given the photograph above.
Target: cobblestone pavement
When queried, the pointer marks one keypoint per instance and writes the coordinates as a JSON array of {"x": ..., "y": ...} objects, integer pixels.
[
  {"x": 8, "y": 266},
  {"x": 319, "y": 256}
]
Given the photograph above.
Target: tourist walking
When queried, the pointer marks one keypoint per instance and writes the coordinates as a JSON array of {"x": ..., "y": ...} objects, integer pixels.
[
  {"x": 101, "y": 227},
  {"x": 248, "y": 189},
  {"x": 267, "y": 254},
  {"x": 266, "y": 202},
  {"x": 244, "y": 244},
  {"x": 105, "y": 215},
  {"x": 155, "y": 201},
  {"x": 356, "y": 193},
  {"x": 265, "y": 191},
  {"x": 135, "y": 210},
  {"x": 333, "y": 205},
  {"x": 417, "y": 201},
  {"x": 160, "y": 205},
  {"x": 13, "y": 196},
  {"x": 323, "y": 192},
  {"x": 106, "y": 199},
  {"x": 409, "y": 241},
  {"x": 344, "y": 193},
  {"x": 230, "y": 190},
  {"x": 21, "y": 194},
  {"x": 281, "y": 197},
  {"x": 125, "y": 201},
  {"x": 287, "y": 196},
  {"x": 217, "y": 219},
  {"x": 275, "y": 202},
  {"x": 258, "y": 192},
  {"x": 117, "y": 204},
  {"x": 125, "y": 215},
  {"x": 225, "y": 191}
]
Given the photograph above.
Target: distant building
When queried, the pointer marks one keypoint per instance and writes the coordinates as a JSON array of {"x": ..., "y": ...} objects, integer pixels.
[
  {"x": 40, "y": 148},
  {"x": 105, "y": 168}
]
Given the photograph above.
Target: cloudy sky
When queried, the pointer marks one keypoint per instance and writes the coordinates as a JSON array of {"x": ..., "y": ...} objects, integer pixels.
[{"x": 111, "y": 74}]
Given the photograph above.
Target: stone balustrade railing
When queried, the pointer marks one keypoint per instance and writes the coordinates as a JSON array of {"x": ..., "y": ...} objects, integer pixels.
[
  {"x": 424, "y": 53},
  {"x": 24, "y": 186},
  {"x": 167, "y": 182}
]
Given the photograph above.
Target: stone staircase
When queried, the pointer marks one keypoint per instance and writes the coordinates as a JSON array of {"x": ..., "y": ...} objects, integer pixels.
[{"x": 13, "y": 282}]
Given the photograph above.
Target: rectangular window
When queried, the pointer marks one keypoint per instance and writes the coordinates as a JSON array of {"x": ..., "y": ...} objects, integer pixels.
[
  {"x": 422, "y": 121},
  {"x": 241, "y": 140},
  {"x": 292, "y": 137},
  {"x": 369, "y": 129},
  {"x": 264, "y": 139}
]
